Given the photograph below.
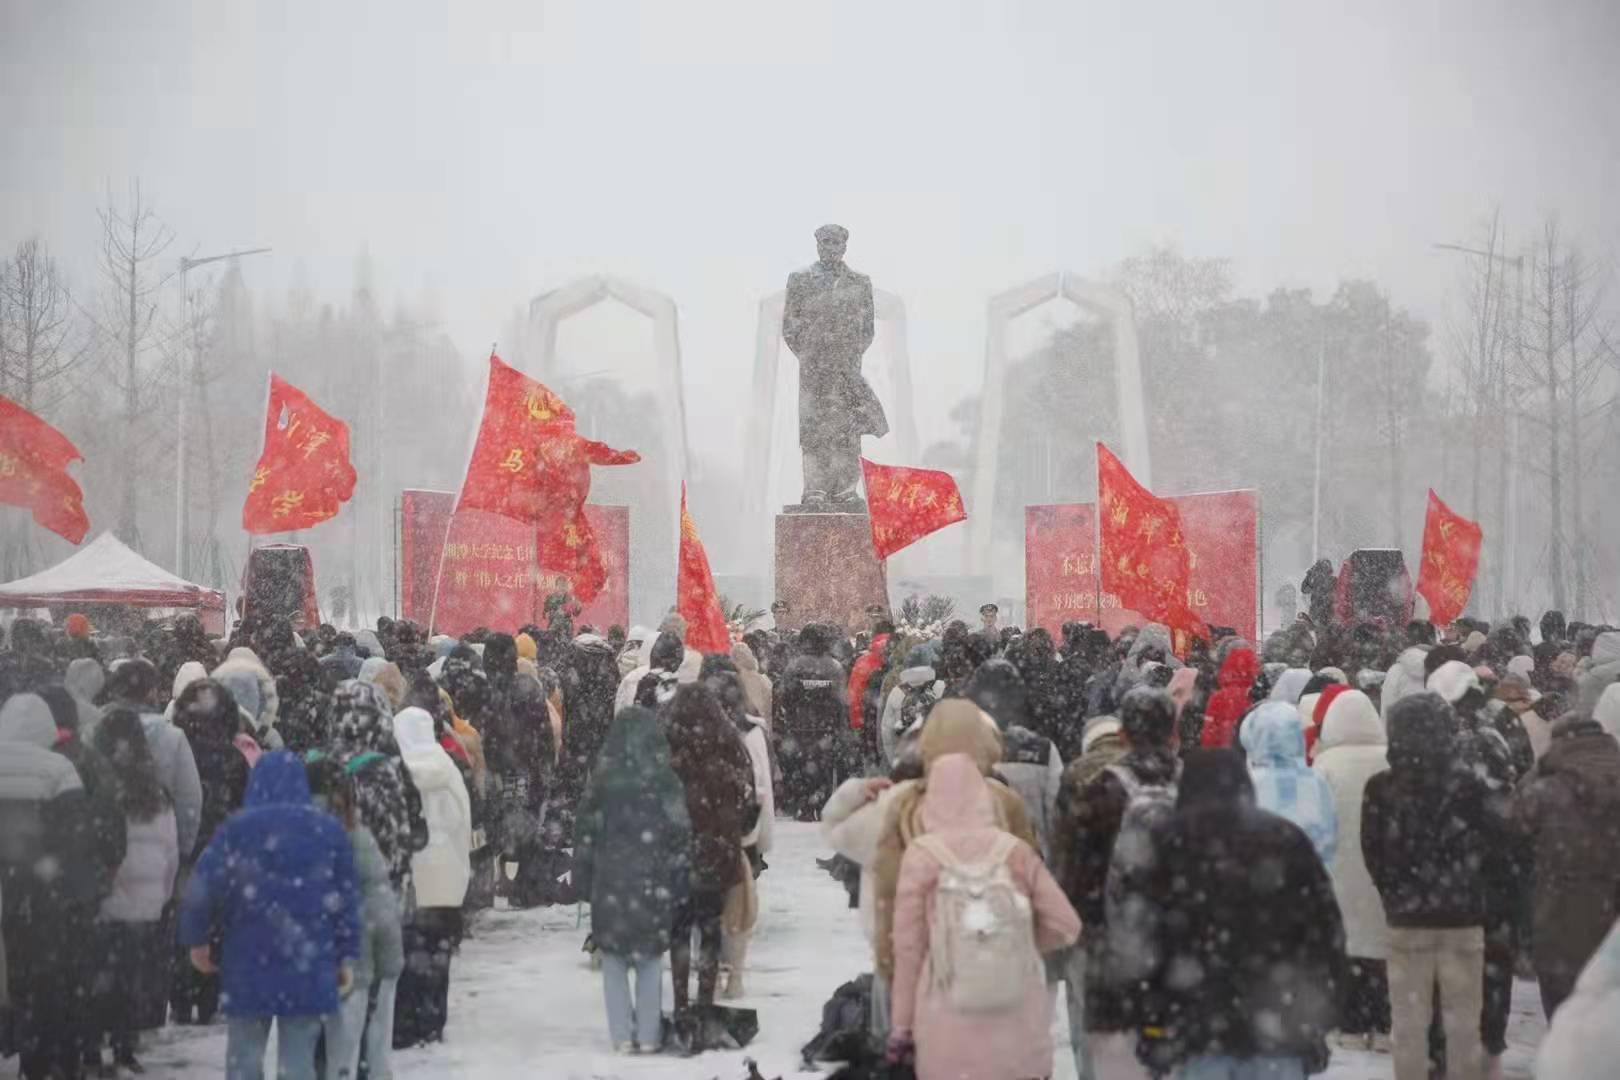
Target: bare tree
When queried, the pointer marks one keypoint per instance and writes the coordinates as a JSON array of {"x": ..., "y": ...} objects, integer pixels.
[
  {"x": 35, "y": 322},
  {"x": 1585, "y": 335},
  {"x": 132, "y": 240}
]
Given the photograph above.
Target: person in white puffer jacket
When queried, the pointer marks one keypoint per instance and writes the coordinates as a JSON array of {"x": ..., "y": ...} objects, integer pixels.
[
  {"x": 440, "y": 873},
  {"x": 1584, "y": 1041},
  {"x": 1351, "y": 750},
  {"x": 129, "y": 927}
]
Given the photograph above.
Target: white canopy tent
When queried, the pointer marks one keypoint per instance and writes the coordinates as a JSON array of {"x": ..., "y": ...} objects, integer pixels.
[{"x": 106, "y": 572}]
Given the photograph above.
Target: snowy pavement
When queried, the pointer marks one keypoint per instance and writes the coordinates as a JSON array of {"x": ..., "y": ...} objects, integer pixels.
[{"x": 524, "y": 1003}]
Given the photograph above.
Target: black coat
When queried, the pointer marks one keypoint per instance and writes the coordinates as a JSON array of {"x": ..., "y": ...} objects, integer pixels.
[
  {"x": 814, "y": 697},
  {"x": 1239, "y": 896}
]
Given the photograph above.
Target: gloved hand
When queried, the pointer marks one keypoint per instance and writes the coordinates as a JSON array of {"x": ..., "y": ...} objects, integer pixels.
[{"x": 900, "y": 1047}]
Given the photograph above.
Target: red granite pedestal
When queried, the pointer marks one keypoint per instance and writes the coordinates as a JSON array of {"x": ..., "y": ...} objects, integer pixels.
[{"x": 826, "y": 569}]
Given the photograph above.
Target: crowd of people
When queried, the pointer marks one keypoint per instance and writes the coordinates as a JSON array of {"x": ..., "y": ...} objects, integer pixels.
[{"x": 1236, "y": 861}]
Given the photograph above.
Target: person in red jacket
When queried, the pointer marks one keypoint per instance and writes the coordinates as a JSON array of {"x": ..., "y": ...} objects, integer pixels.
[
  {"x": 867, "y": 665},
  {"x": 1230, "y": 701}
]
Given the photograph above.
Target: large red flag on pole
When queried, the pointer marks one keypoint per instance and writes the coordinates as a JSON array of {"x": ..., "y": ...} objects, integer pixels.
[
  {"x": 34, "y": 457},
  {"x": 907, "y": 504},
  {"x": 304, "y": 475},
  {"x": 1142, "y": 555},
  {"x": 1450, "y": 558},
  {"x": 695, "y": 597},
  {"x": 529, "y": 463}
]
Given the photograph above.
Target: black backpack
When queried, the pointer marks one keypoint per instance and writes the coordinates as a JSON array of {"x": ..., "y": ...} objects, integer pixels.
[{"x": 845, "y": 1033}]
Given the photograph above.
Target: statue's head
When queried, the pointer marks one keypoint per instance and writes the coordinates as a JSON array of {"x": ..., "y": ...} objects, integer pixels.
[{"x": 831, "y": 242}]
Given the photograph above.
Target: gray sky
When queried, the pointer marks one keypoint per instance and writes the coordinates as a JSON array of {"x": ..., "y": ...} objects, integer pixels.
[{"x": 485, "y": 151}]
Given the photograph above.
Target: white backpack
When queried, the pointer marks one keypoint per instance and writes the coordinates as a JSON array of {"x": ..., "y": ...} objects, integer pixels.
[{"x": 982, "y": 940}]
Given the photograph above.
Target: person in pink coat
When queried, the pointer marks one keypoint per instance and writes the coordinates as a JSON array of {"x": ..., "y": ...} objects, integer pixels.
[{"x": 1007, "y": 1044}]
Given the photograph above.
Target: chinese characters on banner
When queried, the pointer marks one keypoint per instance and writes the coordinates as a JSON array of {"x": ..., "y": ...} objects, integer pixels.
[
  {"x": 1220, "y": 533},
  {"x": 304, "y": 475},
  {"x": 1143, "y": 557},
  {"x": 489, "y": 566},
  {"x": 695, "y": 595},
  {"x": 34, "y": 457},
  {"x": 907, "y": 504},
  {"x": 1450, "y": 560}
]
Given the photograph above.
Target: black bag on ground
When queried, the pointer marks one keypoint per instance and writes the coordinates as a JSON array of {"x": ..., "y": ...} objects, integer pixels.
[
  {"x": 701, "y": 1028},
  {"x": 846, "y": 1022}
]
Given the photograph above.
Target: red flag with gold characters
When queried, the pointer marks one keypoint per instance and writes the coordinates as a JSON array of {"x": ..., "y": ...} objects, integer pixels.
[
  {"x": 34, "y": 457},
  {"x": 1143, "y": 557},
  {"x": 529, "y": 463},
  {"x": 906, "y": 505},
  {"x": 695, "y": 597},
  {"x": 304, "y": 475},
  {"x": 1450, "y": 558}
]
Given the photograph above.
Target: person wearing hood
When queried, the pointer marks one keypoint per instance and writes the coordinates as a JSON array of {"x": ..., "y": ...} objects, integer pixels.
[
  {"x": 100, "y": 782},
  {"x": 1602, "y": 672},
  {"x": 1583, "y": 1041},
  {"x": 1088, "y": 824},
  {"x": 277, "y": 887},
  {"x": 633, "y": 861},
  {"x": 1014, "y": 1039},
  {"x": 385, "y": 797},
  {"x": 1030, "y": 763},
  {"x": 129, "y": 926},
  {"x": 343, "y": 662},
  {"x": 1350, "y": 751},
  {"x": 1569, "y": 807},
  {"x": 867, "y": 665},
  {"x": 590, "y": 679},
  {"x": 209, "y": 717},
  {"x": 1267, "y": 947},
  {"x": 1152, "y": 645},
  {"x": 44, "y": 816},
  {"x": 1426, "y": 827},
  {"x": 755, "y": 684},
  {"x": 910, "y": 701},
  {"x": 814, "y": 705},
  {"x": 440, "y": 874},
  {"x": 1273, "y": 737},
  {"x": 380, "y": 672},
  {"x": 954, "y": 726},
  {"x": 269, "y": 710},
  {"x": 85, "y": 679},
  {"x": 1290, "y": 685},
  {"x": 28, "y": 664},
  {"x": 1231, "y": 701},
  {"x": 1406, "y": 676},
  {"x": 133, "y": 685}
]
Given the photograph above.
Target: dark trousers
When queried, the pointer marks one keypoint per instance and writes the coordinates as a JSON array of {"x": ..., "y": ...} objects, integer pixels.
[
  {"x": 1501, "y": 957},
  {"x": 1365, "y": 1008},
  {"x": 422, "y": 1003},
  {"x": 811, "y": 767},
  {"x": 127, "y": 980},
  {"x": 700, "y": 914},
  {"x": 48, "y": 964}
]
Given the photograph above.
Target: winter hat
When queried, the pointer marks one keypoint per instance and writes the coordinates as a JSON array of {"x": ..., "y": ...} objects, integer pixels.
[
  {"x": 957, "y": 726},
  {"x": 1453, "y": 680},
  {"x": 1097, "y": 729},
  {"x": 1473, "y": 643},
  {"x": 77, "y": 626},
  {"x": 85, "y": 678},
  {"x": 526, "y": 647},
  {"x": 1214, "y": 778},
  {"x": 388, "y": 677},
  {"x": 1148, "y": 717},
  {"x": 1421, "y": 732},
  {"x": 1521, "y": 665}
]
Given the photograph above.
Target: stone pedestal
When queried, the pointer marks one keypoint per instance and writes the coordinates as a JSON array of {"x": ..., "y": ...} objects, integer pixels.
[{"x": 826, "y": 569}]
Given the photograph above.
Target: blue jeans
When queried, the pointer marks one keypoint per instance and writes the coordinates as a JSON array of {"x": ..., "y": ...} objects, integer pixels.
[
  {"x": 647, "y": 1016},
  {"x": 247, "y": 1037},
  {"x": 1217, "y": 1067},
  {"x": 362, "y": 1018}
]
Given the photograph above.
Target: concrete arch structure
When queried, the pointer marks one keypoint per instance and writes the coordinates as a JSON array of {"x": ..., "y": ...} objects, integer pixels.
[
  {"x": 1102, "y": 300},
  {"x": 654, "y": 532},
  {"x": 890, "y": 314}
]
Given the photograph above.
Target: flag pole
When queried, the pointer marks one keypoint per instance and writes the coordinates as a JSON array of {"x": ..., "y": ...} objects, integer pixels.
[
  {"x": 1096, "y": 543},
  {"x": 1316, "y": 483}
]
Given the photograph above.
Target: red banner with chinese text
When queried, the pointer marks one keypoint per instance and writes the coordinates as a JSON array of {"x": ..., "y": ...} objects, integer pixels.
[
  {"x": 1450, "y": 560},
  {"x": 489, "y": 564},
  {"x": 1143, "y": 556},
  {"x": 907, "y": 504},
  {"x": 304, "y": 475},
  {"x": 34, "y": 457},
  {"x": 1220, "y": 530},
  {"x": 695, "y": 595}
]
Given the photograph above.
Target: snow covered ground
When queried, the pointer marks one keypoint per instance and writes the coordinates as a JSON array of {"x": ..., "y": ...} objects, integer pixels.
[{"x": 524, "y": 1004}]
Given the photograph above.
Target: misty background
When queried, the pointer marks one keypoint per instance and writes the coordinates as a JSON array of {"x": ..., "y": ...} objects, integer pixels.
[{"x": 1268, "y": 182}]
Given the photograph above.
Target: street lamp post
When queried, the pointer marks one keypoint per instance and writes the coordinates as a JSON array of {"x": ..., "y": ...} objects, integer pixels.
[{"x": 186, "y": 265}]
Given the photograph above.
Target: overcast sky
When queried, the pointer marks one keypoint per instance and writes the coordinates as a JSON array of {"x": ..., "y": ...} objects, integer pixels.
[{"x": 485, "y": 151}]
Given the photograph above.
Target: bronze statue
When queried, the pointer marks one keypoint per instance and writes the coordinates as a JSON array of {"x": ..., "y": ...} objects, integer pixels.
[{"x": 828, "y": 322}]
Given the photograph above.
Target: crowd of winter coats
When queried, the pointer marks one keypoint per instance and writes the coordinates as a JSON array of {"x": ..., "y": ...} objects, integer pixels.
[{"x": 1344, "y": 837}]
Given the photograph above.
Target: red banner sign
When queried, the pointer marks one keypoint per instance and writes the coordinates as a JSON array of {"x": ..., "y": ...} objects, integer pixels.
[
  {"x": 489, "y": 577},
  {"x": 1221, "y": 532}
]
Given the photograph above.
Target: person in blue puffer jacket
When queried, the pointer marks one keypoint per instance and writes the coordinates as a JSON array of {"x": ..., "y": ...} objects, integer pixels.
[
  {"x": 278, "y": 885},
  {"x": 1273, "y": 737}
]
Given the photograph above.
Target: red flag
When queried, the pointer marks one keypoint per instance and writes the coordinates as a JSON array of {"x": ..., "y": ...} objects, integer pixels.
[
  {"x": 34, "y": 457},
  {"x": 304, "y": 475},
  {"x": 530, "y": 464},
  {"x": 1450, "y": 559},
  {"x": 1143, "y": 557},
  {"x": 907, "y": 504},
  {"x": 695, "y": 596}
]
